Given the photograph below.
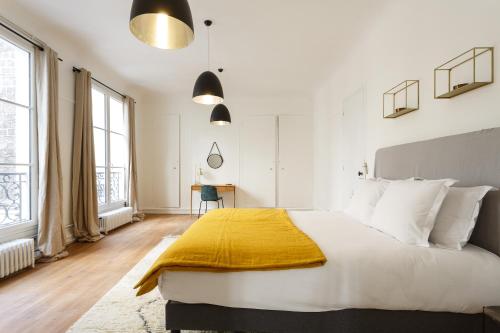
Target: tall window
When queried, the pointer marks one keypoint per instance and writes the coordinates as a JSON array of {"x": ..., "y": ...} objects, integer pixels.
[
  {"x": 111, "y": 151},
  {"x": 18, "y": 179}
]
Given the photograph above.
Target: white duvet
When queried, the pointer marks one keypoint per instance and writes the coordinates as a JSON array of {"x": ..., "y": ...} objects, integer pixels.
[{"x": 365, "y": 269}]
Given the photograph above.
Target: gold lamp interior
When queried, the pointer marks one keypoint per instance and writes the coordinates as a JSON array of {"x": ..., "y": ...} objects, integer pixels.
[
  {"x": 208, "y": 99},
  {"x": 220, "y": 123},
  {"x": 161, "y": 31}
]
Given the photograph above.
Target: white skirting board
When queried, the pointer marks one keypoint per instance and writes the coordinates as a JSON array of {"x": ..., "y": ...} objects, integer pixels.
[{"x": 167, "y": 211}]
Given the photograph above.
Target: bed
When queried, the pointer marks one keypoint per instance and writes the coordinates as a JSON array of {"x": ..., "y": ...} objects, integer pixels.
[{"x": 371, "y": 282}]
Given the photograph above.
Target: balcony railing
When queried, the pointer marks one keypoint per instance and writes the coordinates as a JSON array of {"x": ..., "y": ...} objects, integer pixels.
[
  {"x": 15, "y": 196},
  {"x": 116, "y": 184},
  {"x": 101, "y": 187},
  {"x": 13, "y": 193}
]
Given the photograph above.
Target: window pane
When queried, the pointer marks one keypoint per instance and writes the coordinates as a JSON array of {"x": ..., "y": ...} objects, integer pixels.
[
  {"x": 14, "y": 73},
  {"x": 117, "y": 150},
  {"x": 117, "y": 186},
  {"x": 98, "y": 114},
  {"x": 116, "y": 120},
  {"x": 101, "y": 185},
  {"x": 100, "y": 147},
  {"x": 14, "y": 134},
  {"x": 15, "y": 196}
]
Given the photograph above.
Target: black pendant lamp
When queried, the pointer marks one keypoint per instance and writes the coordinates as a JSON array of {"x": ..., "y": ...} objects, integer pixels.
[
  {"x": 165, "y": 24},
  {"x": 208, "y": 89},
  {"x": 220, "y": 115}
]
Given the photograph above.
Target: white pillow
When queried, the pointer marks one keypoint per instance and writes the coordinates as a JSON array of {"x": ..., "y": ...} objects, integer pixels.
[
  {"x": 458, "y": 215},
  {"x": 408, "y": 209},
  {"x": 365, "y": 198}
]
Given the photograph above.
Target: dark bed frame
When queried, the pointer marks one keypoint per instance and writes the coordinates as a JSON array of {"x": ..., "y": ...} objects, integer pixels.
[
  {"x": 223, "y": 319},
  {"x": 473, "y": 158}
]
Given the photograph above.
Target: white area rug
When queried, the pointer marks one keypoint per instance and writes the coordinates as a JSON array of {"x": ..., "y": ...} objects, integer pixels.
[{"x": 121, "y": 311}]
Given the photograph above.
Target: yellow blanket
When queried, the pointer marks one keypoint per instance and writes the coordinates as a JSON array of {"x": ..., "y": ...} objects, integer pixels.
[{"x": 229, "y": 240}]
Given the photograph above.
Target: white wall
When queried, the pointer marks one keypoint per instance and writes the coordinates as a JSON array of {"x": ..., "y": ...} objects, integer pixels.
[
  {"x": 69, "y": 50},
  {"x": 407, "y": 40},
  {"x": 197, "y": 136}
]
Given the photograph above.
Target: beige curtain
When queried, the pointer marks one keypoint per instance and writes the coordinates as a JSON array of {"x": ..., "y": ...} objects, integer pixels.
[
  {"x": 132, "y": 159},
  {"x": 51, "y": 241},
  {"x": 83, "y": 186}
]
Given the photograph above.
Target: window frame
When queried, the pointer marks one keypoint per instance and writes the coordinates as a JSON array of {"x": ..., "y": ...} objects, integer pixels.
[
  {"x": 108, "y": 94},
  {"x": 27, "y": 228}
]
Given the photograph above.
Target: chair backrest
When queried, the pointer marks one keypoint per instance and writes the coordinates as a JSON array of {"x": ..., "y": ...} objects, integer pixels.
[{"x": 209, "y": 193}]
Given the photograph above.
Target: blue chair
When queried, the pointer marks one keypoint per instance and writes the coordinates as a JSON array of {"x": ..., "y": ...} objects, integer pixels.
[{"x": 209, "y": 193}]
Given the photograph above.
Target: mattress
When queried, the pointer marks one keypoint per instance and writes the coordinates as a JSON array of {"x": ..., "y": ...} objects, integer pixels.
[{"x": 366, "y": 269}]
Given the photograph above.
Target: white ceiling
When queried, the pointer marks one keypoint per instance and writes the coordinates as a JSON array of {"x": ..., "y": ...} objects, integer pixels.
[{"x": 265, "y": 46}]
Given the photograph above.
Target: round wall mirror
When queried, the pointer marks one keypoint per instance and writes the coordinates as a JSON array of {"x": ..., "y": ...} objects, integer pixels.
[{"x": 215, "y": 160}]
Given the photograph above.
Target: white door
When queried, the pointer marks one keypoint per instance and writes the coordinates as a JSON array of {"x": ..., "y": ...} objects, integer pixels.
[
  {"x": 353, "y": 142},
  {"x": 295, "y": 147},
  {"x": 258, "y": 162},
  {"x": 165, "y": 184}
]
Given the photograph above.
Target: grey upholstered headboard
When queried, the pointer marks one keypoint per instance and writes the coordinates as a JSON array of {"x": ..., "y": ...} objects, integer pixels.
[{"x": 473, "y": 158}]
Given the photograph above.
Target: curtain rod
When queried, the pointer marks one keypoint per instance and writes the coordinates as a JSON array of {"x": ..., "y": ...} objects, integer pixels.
[
  {"x": 105, "y": 85},
  {"x": 40, "y": 47}
]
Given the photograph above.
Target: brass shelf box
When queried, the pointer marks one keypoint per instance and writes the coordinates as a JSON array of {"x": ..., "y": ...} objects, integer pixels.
[
  {"x": 401, "y": 99},
  {"x": 468, "y": 71}
]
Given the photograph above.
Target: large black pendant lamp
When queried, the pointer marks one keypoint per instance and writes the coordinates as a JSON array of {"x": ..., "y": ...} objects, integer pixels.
[
  {"x": 220, "y": 115},
  {"x": 208, "y": 89},
  {"x": 166, "y": 24}
]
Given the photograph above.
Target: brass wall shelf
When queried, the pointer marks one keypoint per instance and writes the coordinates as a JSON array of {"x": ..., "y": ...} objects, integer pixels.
[
  {"x": 407, "y": 94},
  {"x": 399, "y": 113},
  {"x": 480, "y": 74}
]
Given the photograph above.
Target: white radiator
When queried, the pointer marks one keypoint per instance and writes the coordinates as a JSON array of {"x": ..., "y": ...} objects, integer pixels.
[
  {"x": 16, "y": 255},
  {"x": 115, "y": 218}
]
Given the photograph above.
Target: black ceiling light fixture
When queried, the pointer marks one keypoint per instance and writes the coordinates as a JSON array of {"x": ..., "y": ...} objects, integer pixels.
[
  {"x": 208, "y": 89},
  {"x": 165, "y": 24},
  {"x": 220, "y": 115}
]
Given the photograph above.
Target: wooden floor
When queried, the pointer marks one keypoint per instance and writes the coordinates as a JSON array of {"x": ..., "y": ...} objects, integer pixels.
[{"x": 51, "y": 297}]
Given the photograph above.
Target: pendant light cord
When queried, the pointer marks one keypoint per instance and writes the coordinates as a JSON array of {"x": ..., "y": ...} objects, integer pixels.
[{"x": 208, "y": 49}]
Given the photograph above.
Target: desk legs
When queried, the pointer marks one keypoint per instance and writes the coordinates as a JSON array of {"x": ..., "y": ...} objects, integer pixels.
[{"x": 191, "y": 205}]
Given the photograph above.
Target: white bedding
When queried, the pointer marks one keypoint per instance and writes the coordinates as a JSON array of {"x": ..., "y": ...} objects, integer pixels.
[{"x": 365, "y": 269}]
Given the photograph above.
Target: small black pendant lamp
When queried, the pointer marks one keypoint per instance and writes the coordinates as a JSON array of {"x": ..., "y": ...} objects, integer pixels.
[
  {"x": 220, "y": 115},
  {"x": 208, "y": 89},
  {"x": 165, "y": 24}
]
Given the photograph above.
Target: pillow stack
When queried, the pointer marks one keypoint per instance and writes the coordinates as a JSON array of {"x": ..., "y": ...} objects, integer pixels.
[
  {"x": 365, "y": 199},
  {"x": 416, "y": 211},
  {"x": 458, "y": 215}
]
